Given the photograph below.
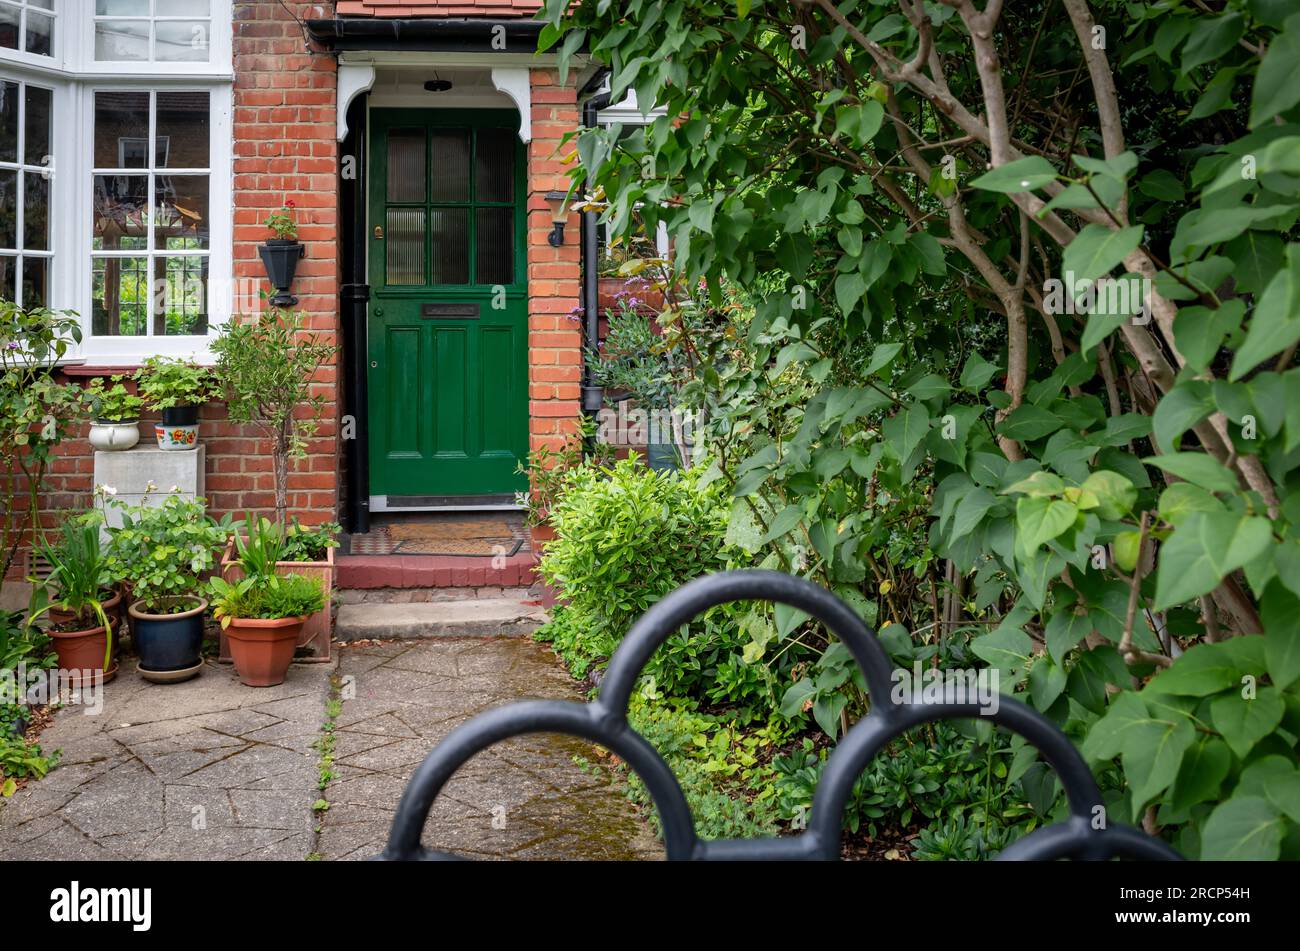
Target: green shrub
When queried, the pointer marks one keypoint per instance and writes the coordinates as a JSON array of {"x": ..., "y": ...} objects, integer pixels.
[{"x": 625, "y": 536}]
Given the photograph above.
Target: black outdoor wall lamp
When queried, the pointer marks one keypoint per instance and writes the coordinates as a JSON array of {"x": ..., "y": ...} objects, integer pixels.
[{"x": 559, "y": 213}]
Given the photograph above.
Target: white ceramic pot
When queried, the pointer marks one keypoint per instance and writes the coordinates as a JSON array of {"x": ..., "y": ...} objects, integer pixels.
[
  {"x": 114, "y": 437},
  {"x": 173, "y": 438}
]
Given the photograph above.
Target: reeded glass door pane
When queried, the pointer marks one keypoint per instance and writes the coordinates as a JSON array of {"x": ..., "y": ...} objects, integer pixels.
[
  {"x": 449, "y": 234},
  {"x": 494, "y": 165},
  {"x": 406, "y": 165},
  {"x": 449, "y": 170},
  {"x": 494, "y": 246},
  {"x": 404, "y": 246}
]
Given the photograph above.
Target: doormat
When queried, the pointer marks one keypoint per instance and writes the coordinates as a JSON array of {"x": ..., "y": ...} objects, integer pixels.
[{"x": 478, "y": 537}]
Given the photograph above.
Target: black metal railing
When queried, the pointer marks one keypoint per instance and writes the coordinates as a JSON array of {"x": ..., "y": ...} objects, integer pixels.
[{"x": 1085, "y": 835}]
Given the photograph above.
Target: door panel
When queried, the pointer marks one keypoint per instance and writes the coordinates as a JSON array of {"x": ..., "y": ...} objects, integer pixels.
[{"x": 448, "y": 312}]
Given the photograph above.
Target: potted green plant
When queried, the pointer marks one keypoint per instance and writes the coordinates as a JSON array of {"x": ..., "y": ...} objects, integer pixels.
[
  {"x": 114, "y": 414},
  {"x": 281, "y": 253},
  {"x": 266, "y": 364},
  {"x": 176, "y": 388},
  {"x": 263, "y": 612},
  {"x": 308, "y": 551},
  {"x": 162, "y": 554},
  {"x": 73, "y": 596}
]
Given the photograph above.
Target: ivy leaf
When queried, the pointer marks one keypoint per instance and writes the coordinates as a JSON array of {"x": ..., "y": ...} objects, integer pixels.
[
  {"x": 1097, "y": 249},
  {"x": 1243, "y": 722},
  {"x": 1245, "y": 828},
  {"x": 1203, "y": 550},
  {"x": 1022, "y": 175}
]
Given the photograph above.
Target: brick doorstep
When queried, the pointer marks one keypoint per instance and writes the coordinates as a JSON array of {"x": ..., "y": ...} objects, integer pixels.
[{"x": 434, "y": 571}]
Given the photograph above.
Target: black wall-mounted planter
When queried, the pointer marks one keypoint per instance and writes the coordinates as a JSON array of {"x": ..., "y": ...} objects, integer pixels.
[{"x": 281, "y": 260}]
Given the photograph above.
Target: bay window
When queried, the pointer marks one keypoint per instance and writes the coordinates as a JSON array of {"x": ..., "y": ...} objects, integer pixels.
[{"x": 115, "y": 151}]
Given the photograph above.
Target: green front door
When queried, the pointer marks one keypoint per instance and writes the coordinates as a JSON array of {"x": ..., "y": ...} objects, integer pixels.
[{"x": 448, "y": 327}]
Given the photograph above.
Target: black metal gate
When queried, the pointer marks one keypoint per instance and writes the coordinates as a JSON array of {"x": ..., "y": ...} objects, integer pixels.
[{"x": 1085, "y": 835}]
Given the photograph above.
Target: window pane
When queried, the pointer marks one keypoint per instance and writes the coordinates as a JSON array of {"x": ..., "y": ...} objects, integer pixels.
[
  {"x": 36, "y": 275},
  {"x": 494, "y": 165},
  {"x": 449, "y": 234},
  {"x": 122, "y": 40},
  {"x": 180, "y": 212},
  {"x": 40, "y": 33},
  {"x": 121, "y": 129},
  {"x": 36, "y": 144},
  {"x": 406, "y": 166},
  {"x": 120, "y": 296},
  {"x": 8, "y": 122},
  {"x": 450, "y": 165},
  {"x": 36, "y": 212},
  {"x": 122, "y": 8},
  {"x": 185, "y": 8},
  {"x": 182, "y": 129},
  {"x": 180, "y": 296},
  {"x": 43, "y": 4},
  {"x": 9, "y": 17},
  {"x": 8, "y": 209},
  {"x": 121, "y": 209},
  {"x": 181, "y": 41},
  {"x": 494, "y": 262},
  {"x": 8, "y": 270},
  {"x": 404, "y": 246}
]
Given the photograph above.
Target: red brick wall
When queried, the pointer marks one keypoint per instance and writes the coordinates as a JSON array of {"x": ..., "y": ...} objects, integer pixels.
[
  {"x": 554, "y": 332},
  {"x": 285, "y": 147}
]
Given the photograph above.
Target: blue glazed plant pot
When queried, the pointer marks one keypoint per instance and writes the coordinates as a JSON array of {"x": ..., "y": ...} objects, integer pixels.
[{"x": 168, "y": 642}]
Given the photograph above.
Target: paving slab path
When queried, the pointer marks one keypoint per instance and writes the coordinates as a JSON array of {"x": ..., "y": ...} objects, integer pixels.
[
  {"x": 211, "y": 769},
  {"x": 521, "y": 799}
]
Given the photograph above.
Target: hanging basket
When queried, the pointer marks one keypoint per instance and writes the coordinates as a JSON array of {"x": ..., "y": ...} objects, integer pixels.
[{"x": 281, "y": 258}]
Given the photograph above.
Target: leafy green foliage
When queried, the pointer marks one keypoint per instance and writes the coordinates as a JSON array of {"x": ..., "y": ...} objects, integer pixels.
[
  {"x": 266, "y": 364},
  {"x": 624, "y": 537},
  {"x": 113, "y": 403},
  {"x": 930, "y": 408},
  {"x": 162, "y": 553},
  {"x": 166, "y": 382}
]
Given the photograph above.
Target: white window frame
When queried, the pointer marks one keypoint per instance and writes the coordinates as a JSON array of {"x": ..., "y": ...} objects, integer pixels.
[
  {"x": 60, "y": 27},
  {"x": 45, "y": 170},
  {"x": 75, "y": 76}
]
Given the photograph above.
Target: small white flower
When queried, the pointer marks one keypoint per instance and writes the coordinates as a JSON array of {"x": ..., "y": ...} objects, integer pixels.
[{"x": 175, "y": 488}]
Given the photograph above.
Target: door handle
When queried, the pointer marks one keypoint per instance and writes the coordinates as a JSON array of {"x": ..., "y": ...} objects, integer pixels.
[
  {"x": 374, "y": 364},
  {"x": 379, "y": 232}
]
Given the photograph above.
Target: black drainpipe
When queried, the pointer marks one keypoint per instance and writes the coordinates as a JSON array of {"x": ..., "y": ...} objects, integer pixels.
[
  {"x": 591, "y": 393},
  {"x": 354, "y": 296}
]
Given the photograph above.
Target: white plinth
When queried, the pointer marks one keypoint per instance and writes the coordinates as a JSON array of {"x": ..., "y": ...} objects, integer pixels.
[{"x": 130, "y": 473}]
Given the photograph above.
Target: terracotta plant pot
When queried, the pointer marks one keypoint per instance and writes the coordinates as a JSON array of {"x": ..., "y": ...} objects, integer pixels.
[
  {"x": 315, "y": 634},
  {"x": 112, "y": 606},
  {"x": 262, "y": 649},
  {"x": 84, "y": 650}
]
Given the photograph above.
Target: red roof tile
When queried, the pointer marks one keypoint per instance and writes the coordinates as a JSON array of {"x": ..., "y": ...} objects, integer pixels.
[{"x": 438, "y": 8}]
